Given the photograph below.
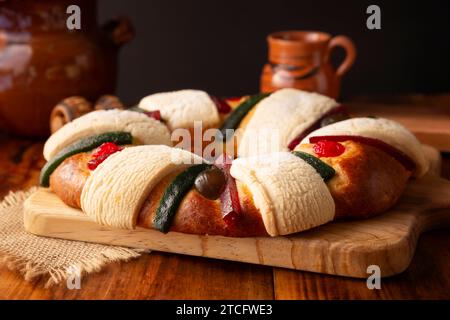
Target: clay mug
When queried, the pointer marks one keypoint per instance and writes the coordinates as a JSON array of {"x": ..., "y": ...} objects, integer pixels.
[{"x": 301, "y": 59}]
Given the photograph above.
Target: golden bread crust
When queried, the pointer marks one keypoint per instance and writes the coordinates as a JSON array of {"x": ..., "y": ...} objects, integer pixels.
[
  {"x": 68, "y": 179},
  {"x": 368, "y": 181}
]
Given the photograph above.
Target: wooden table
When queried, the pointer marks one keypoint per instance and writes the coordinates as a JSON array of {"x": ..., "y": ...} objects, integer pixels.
[{"x": 169, "y": 276}]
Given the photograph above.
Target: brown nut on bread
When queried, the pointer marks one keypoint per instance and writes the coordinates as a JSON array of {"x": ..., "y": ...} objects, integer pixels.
[
  {"x": 67, "y": 110},
  {"x": 368, "y": 181}
]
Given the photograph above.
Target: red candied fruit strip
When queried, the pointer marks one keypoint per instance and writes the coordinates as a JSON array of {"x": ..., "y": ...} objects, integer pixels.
[
  {"x": 154, "y": 114},
  {"x": 398, "y": 155},
  {"x": 102, "y": 153},
  {"x": 296, "y": 141},
  {"x": 221, "y": 105},
  {"x": 327, "y": 148},
  {"x": 229, "y": 199},
  {"x": 316, "y": 125},
  {"x": 231, "y": 218},
  {"x": 234, "y": 99}
]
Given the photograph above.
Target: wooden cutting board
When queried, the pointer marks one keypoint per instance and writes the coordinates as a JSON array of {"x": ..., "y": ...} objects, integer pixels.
[{"x": 339, "y": 248}]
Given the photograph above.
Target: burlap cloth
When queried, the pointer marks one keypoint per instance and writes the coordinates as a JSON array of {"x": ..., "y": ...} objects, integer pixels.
[{"x": 35, "y": 256}]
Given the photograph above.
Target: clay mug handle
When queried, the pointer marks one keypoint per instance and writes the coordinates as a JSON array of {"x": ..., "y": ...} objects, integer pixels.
[{"x": 349, "y": 47}]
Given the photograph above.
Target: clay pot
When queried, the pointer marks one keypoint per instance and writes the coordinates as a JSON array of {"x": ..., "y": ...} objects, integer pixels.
[
  {"x": 301, "y": 59},
  {"x": 42, "y": 62}
]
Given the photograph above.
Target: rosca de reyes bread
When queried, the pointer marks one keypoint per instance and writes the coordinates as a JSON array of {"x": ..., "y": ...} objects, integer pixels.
[
  {"x": 265, "y": 195},
  {"x": 325, "y": 167}
]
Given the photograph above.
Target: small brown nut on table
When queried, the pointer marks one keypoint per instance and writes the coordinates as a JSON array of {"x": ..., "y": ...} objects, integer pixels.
[
  {"x": 68, "y": 110},
  {"x": 107, "y": 102}
]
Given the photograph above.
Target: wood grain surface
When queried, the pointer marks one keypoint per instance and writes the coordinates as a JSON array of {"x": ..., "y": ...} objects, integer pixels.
[
  {"x": 344, "y": 248},
  {"x": 168, "y": 276}
]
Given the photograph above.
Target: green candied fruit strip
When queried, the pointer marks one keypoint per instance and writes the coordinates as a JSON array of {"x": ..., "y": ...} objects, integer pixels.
[
  {"x": 324, "y": 170},
  {"x": 82, "y": 145},
  {"x": 235, "y": 118},
  {"x": 174, "y": 194}
]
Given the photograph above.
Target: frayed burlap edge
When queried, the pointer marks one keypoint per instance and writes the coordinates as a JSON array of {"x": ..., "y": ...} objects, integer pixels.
[
  {"x": 14, "y": 198},
  {"x": 31, "y": 271}
]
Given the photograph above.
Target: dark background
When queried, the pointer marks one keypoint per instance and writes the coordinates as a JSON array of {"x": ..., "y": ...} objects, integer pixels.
[{"x": 220, "y": 46}]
